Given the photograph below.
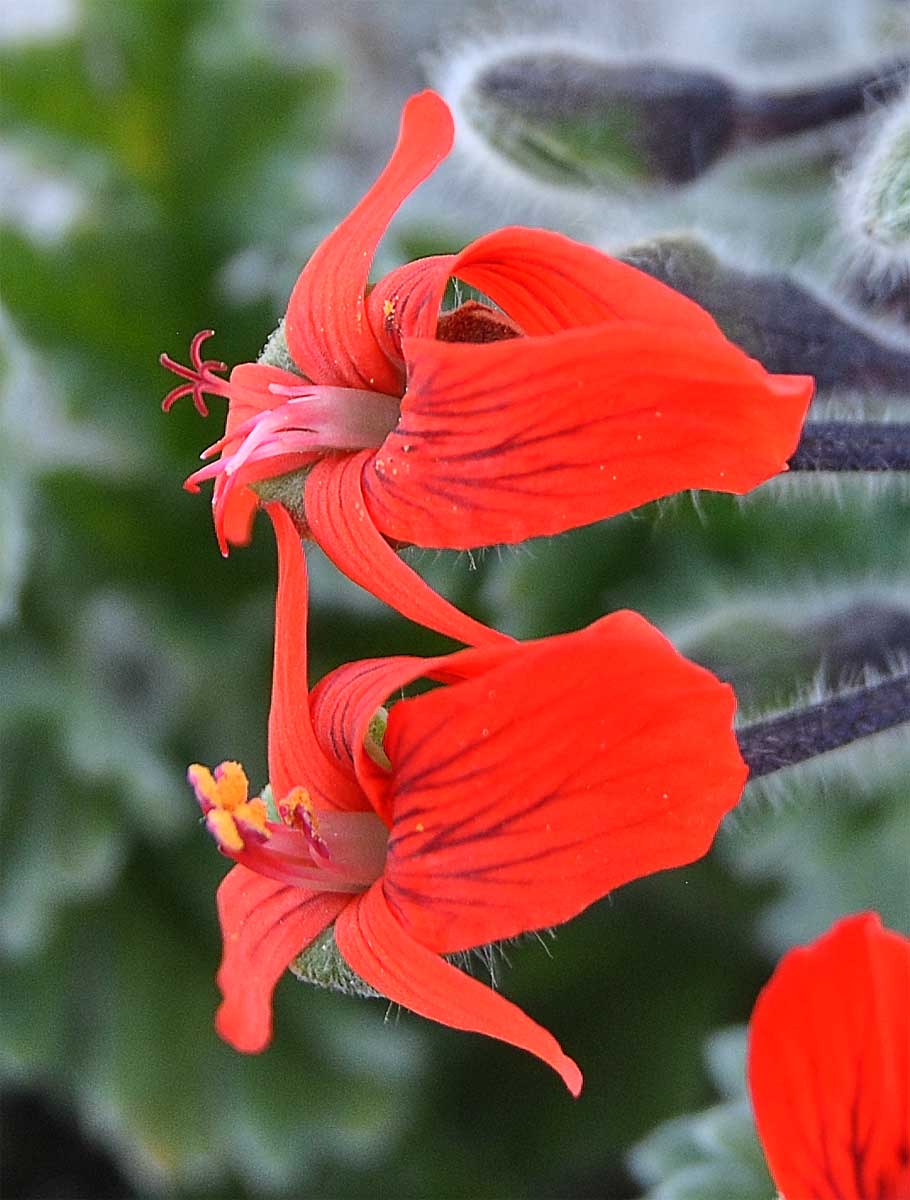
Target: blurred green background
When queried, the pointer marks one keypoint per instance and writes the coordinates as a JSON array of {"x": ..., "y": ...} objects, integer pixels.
[{"x": 168, "y": 166}]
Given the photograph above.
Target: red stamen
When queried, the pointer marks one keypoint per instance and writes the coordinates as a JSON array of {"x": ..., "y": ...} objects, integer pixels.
[
  {"x": 296, "y": 813},
  {"x": 201, "y": 376}
]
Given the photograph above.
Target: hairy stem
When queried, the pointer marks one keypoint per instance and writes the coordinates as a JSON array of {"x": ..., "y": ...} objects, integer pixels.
[
  {"x": 763, "y": 115},
  {"x": 853, "y": 446},
  {"x": 801, "y": 734}
]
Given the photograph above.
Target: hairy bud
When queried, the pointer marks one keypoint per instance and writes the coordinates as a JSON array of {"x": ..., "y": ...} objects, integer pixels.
[
  {"x": 775, "y": 319},
  {"x": 875, "y": 214},
  {"x": 572, "y": 117}
]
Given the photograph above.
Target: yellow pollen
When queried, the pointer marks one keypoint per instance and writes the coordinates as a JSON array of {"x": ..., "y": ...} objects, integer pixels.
[
  {"x": 229, "y": 815},
  {"x": 388, "y": 308},
  {"x": 228, "y": 788},
  {"x": 420, "y": 826},
  {"x": 223, "y": 829},
  {"x": 290, "y": 807}
]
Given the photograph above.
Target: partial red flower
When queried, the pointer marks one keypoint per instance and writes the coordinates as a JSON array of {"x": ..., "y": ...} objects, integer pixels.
[
  {"x": 539, "y": 778},
  {"x": 596, "y": 389},
  {"x": 829, "y": 1066}
]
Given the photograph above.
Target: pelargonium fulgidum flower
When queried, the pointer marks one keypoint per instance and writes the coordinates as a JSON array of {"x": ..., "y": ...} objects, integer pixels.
[
  {"x": 829, "y": 1066},
  {"x": 539, "y": 778},
  {"x": 589, "y": 389}
]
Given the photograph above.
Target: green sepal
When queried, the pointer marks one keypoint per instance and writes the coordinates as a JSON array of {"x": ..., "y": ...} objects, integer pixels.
[
  {"x": 374, "y": 739},
  {"x": 322, "y": 965},
  {"x": 268, "y": 799},
  {"x": 285, "y": 489},
  {"x": 275, "y": 352}
]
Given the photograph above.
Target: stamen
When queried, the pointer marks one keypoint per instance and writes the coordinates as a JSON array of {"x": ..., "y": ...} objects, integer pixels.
[
  {"x": 291, "y": 391},
  {"x": 233, "y": 820},
  {"x": 316, "y": 419},
  {"x": 249, "y": 425},
  {"x": 201, "y": 376},
  {"x": 297, "y": 811},
  {"x": 325, "y": 851}
]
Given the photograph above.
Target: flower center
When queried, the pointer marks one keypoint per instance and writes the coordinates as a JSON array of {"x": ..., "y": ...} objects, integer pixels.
[
  {"x": 292, "y": 422},
  {"x": 313, "y": 418},
  {"x": 321, "y": 850}
]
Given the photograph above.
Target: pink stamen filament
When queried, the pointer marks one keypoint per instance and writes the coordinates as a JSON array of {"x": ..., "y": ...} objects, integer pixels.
[
  {"x": 356, "y": 844},
  {"x": 316, "y": 418}
]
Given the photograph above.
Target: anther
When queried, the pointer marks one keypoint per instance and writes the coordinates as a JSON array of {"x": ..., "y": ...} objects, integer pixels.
[{"x": 296, "y": 810}]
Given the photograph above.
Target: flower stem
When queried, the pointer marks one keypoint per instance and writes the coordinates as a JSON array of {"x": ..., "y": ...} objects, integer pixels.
[
  {"x": 801, "y": 734},
  {"x": 853, "y": 446},
  {"x": 764, "y": 115}
]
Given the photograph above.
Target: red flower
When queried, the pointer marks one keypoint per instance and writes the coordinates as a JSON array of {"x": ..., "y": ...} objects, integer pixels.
[
  {"x": 829, "y": 1066},
  {"x": 602, "y": 389},
  {"x": 543, "y": 776}
]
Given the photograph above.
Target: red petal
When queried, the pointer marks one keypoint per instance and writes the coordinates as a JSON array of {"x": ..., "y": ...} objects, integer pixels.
[
  {"x": 327, "y": 332},
  {"x": 828, "y": 1065},
  {"x": 406, "y": 302},
  {"x": 265, "y": 925},
  {"x": 544, "y": 281},
  {"x": 295, "y": 756},
  {"x": 514, "y": 439},
  {"x": 344, "y": 703},
  {"x": 376, "y": 947},
  {"x": 250, "y": 393},
  {"x": 548, "y": 282},
  {"x": 338, "y": 520},
  {"x": 238, "y": 517},
  {"x": 579, "y": 763}
]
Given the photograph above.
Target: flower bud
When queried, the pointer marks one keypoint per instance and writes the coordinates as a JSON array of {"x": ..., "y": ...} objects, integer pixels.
[
  {"x": 573, "y": 117},
  {"x": 767, "y": 645},
  {"x": 775, "y": 319},
  {"x": 875, "y": 214}
]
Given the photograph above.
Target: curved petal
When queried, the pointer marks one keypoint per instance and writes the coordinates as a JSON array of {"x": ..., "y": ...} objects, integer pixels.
[
  {"x": 548, "y": 282},
  {"x": 829, "y": 1065},
  {"x": 580, "y": 763},
  {"x": 406, "y": 302},
  {"x": 296, "y": 758},
  {"x": 545, "y": 281},
  {"x": 376, "y": 947},
  {"x": 234, "y": 525},
  {"x": 344, "y": 703},
  {"x": 328, "y": 334},
  {"x": 531, "y": 436},
  {"x": 265, "y": 925},
  {"x": 337, "y": 516}
]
